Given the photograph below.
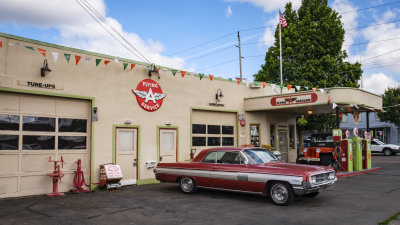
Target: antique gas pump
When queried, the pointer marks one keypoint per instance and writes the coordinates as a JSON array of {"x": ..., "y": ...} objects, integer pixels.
[
  {"x": 366, "y": 150},
  {"x": 346, "y": 158},
  {"x": 357, "y": 152}
]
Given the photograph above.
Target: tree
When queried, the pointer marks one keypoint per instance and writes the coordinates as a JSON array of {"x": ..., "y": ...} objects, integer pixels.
[
  {"x": 391, "y": 98},
  {"x": 312, "y": 54}
]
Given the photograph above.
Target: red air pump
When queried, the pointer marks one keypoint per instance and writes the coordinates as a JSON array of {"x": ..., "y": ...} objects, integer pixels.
[
  {"x": 79, "y": 179},
  {"x": 56, "y": 176}
]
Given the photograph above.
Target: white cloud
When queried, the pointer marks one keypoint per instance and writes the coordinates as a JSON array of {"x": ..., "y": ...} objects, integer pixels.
[
  {"x": 378, "y": 83},
  {"x": 270, "y": 5},
  {"x": 228, "y": 12},
  {"x": 349, "y": 20},
  {"x": 77, "y": 29}
]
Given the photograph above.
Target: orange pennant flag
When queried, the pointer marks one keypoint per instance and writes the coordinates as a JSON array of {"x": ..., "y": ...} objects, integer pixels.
[
  {"x": 314, "y": 89},
  {"x": 211, "y": 77},
  {"x": 42, "y": 51},
  {"x": 289, "y": 86},
  {"x": 183, "y": 73},
  {"x": 106, "y": 62},
  {"x": 132, "y": 65},
  {"x": 1, "y": 44},
  {"x": 77, "y": 58},
  {"x": 264, "y": 84},
  {"x": 238, "y": 80}
]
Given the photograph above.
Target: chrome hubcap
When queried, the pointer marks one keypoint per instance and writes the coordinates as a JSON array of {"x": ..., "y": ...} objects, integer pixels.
[
  {"x": 186, "y": 184},
  {"x": 279, "y": 193}
]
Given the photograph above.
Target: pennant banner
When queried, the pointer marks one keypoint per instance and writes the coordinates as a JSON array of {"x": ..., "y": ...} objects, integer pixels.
[
  {"x": 87, "y": 60},
  {"x": 132, "y": 66},
  {"x": 289, "y": 86},
  {"x": 1, "y": 44},
  {"x": 211, "y": 77},
  {"x": 116, "y": 60},
  {"x": 264, "y": 84},
  {"x": 230, "y": 79},
  {"x": 77, "y": 58},
  {"x": 273, "y": 86},
  {"x": 55, "y": 56},
  {"x": 106, "y": 62},
  {"x": 183, "y": 73},
  {"x": 29, "y": 47},
  {"x": 67, "y": 56},
  {"x": 42, "y": 51},
  {"x": 125, "y": 65},
  {"x": 322, "y": 90},
  {"x": 174, "y": 72},
  {"x": 256, "y": 83},
  {"x": 201, "y": 76},
  {"x": 281, "y": 86},
  {"x": 98, "y": 61},
  {"x": 297, "y": 88},
  {"x": 334, "y": 105},
  {"x": 314, "y": 89},
  {"x": 238, "y": 80},
  {"x": 306, "y": 88}
]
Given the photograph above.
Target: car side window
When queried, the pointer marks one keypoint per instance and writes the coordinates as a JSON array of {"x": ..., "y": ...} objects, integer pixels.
[
  {"x": 211, "y": 157},
  {"x": 374, "y": 143},
  {"x": 228, "y": 157}
]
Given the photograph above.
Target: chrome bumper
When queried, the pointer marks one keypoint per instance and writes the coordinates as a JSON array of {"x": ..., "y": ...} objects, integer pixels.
[
  {"x": 310, "y": 159},
  {"x": 307, "y": 188}
]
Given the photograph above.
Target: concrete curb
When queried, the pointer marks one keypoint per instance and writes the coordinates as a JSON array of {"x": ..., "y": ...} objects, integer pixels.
[{"x": 348, "y": 174}]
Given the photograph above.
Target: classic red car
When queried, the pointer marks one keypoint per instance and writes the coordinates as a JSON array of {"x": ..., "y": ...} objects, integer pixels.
[{"x": 254, "y": 170}]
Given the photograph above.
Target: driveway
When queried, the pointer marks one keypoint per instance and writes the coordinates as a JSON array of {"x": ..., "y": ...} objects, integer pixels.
[{"x": 362, "y": 199}]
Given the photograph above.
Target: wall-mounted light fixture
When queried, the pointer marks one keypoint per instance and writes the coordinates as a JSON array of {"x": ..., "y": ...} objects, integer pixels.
[
  {"x": 45, "y": 68},
  {"x": 168, "y": 123},
  {"x": 309, "y": 111},
  {"x": 218, "y": 95},
  {"x": 153, "y": 71}
]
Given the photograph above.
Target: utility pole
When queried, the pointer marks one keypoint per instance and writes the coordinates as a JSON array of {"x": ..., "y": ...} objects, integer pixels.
[{"x": 240, "y": 56}]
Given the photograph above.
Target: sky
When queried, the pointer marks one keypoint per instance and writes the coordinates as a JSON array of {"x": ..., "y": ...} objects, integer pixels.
[{"x": 202, "y": 36}]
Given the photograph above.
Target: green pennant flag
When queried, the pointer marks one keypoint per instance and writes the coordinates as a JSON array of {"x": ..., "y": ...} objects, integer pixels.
[
  {"x": 125, "y": 65},
  {"x": 29, "y": 47},
  {"x": 256, "y": 83},
  {"x": 281, "y": 87},
  {"x": 174, "y": 72},
  {"x": 67, "y": 56},
  {"x": 230, "y": 79},
  {"x": 201, "y": 76},
  {"x": 306, "y": 88},
  {"x": 98, "y": 61}
]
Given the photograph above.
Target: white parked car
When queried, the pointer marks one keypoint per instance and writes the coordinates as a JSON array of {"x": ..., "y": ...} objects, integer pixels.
[{"x": 378, "y": 146}]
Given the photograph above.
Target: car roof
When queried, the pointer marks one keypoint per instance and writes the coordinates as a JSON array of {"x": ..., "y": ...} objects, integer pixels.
[{"x": 230, "y": 148}]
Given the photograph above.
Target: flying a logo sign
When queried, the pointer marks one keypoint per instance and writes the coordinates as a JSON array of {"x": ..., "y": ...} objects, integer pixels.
[{"x": 149, "y": 95}]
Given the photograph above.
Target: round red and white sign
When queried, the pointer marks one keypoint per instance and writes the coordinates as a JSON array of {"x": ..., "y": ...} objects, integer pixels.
[
  {"x": 355, "y": 131},
  {"x": 149, "y": 95}
]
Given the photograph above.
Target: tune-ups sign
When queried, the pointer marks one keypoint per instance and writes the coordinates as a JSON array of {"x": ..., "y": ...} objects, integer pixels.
[{"x": 149, "y": 95}]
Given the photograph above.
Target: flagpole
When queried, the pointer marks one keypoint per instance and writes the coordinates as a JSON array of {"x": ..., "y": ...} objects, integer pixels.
[{"x": 280, "y": 49}]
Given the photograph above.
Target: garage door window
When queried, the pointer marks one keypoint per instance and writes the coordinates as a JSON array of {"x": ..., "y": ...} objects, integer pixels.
[
  {"x": 35, "y": 123},
  {"x": 9, "y": 122},
  {"x": 212, "y": 135},
  {"x": 71, "y": 142},
  {"x": 8, "y": 142},
  {"x": 72, "y": 125},
  {"x": 36, "y": 142}
]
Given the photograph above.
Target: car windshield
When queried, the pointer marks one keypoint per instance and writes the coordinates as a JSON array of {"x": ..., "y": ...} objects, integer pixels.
[
  {"x": 379, "y": 142},
  {"x": 258, "y": 156}
]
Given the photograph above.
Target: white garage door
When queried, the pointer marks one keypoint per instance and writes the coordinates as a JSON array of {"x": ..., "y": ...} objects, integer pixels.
[
  {"x": 211, "y": 129},
  {"x": 34, "y": 128}
]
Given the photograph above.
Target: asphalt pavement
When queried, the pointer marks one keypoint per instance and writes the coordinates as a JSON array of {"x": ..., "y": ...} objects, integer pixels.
[{"x": 363, "y": 199}]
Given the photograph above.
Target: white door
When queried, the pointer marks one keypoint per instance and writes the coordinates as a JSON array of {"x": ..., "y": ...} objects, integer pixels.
[
  {"x": 168, "y": 144},
  {"x": 126, "y": 154},
  {"x": 283, "y": 146}
]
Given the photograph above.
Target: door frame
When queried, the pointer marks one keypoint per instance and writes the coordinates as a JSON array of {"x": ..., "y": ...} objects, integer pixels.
[
  {"x": 114, "y": 142},
  {"x": 159, "y": 128}
]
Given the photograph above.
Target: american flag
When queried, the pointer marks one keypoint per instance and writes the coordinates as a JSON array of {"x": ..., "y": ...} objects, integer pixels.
[{"x": 282, "y": 20}]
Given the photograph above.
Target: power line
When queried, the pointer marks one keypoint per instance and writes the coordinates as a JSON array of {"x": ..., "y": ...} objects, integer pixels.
[
  {"x": 196, "y": 46},
  {"x": 218, "y": 64},
  {"x": 88, "y": 6},
  {"x": 380, "y": 55},
  {"x": 373, "y": 25},
  {"x": 369, "y": 7}
]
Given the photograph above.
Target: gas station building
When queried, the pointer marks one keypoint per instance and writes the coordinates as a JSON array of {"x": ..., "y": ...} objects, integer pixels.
[{"x": 59, "y": 101}]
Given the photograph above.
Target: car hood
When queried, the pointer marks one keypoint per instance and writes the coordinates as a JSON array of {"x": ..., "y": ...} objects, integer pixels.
[
  {"x": 390, "y": 146},
  {"x": 290, "y": 168}
]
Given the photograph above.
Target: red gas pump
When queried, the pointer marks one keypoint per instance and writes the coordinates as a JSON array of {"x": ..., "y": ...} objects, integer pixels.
[
  {"x": 346, "y": 158},
  {"x": 56, "y": 176}
]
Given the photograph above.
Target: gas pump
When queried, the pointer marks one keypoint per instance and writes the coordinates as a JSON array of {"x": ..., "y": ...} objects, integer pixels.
[
  {"x": 366, "y": 150},
  {"x": 357, "y": 151},
  {"x": 346, "y": 158}
]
